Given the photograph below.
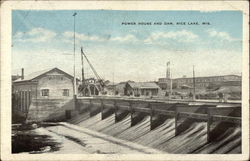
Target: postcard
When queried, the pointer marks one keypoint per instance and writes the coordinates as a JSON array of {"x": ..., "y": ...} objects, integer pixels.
[{"x": 124, "y": 80}]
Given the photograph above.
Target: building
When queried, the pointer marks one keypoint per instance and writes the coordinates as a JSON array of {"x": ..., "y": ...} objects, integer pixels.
[
  {"x": 200, "y": 82},
  {"x": 119, "y": 88},
  {"x": 47, "y": 91},
  {"x": 138, "y": 89},
  {"x": 116, "y": 89}
]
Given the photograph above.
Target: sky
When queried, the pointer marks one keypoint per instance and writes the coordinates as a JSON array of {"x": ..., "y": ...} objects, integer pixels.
[{"x": 43, "y": 39}]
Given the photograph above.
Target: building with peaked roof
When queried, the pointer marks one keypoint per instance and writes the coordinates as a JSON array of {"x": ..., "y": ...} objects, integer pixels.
[
  {"x": 49, "y": 83},
  {"x": 138, "y": 89},
  {"x": 46, "y": 89}
]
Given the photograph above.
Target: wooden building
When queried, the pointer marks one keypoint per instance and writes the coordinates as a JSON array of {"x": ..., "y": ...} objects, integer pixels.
[
  {"x": 138, "y": 89},
  {"x": 46, "y": 90}
]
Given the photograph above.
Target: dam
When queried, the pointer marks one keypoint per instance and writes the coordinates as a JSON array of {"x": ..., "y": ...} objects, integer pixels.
[{"x": 171, "y": 127}]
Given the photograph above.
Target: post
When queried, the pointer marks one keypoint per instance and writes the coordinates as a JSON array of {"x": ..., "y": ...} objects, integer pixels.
[
  {"x": 75, "y": 90},
  {"x": 116, "y": 109},
  {"x": 176, "y": 120},
  {"x": 208, "y": 124},
  {"x": 21, "y": 101},
  {"x": 102, "y": 106},
  {"x": 22, "y": 74},
  {"x": 151, "y": 116},
  {"x": 131, "y": 113},
  {"x": 26, "y": 100},
  {"x": 75, "y": 103},
  {"x": 89, "y": 108}
]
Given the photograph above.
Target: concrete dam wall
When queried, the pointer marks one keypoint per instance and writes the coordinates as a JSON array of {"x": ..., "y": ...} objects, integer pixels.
[{"x": 178, "y": 128}]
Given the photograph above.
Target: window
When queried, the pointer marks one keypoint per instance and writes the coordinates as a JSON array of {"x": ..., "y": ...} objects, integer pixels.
[
  {"x": 45, "y": 92},
  {"x": 65, "y": 92}
]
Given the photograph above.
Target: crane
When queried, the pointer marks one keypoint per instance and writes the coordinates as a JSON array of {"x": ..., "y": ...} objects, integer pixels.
[{"x": 100, "y": 88}]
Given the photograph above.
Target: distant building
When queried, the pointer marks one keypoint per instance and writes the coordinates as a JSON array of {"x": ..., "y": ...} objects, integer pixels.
[
  {"x": 200, "y": 82},
  {"x": 138, "y": 89},
  {"x": 119, "y": 88},
  {"x": 50, "y": 84}
]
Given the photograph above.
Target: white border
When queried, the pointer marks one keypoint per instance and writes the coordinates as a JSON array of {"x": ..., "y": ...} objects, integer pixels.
[{"x": 5, "y": 56}]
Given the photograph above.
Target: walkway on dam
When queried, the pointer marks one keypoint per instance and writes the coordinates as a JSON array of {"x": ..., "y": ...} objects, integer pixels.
[{"x": 79, "y": 140}]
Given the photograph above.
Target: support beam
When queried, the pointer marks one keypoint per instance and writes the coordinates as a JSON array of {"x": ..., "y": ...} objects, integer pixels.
[
  {"x": 131, "y": 113},
  {"x": 151, "y": 115},
  {"x": 116, "y": 110},
  {"x": 176, "y": 121},
  {"x": 94, "y": 109},
  {"x": 209, "y": 121}
]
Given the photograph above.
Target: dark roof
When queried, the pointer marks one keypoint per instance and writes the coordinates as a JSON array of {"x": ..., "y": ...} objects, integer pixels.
[
  {"x": 38, "y": 74},
  {"x": 142, "y": 85}
]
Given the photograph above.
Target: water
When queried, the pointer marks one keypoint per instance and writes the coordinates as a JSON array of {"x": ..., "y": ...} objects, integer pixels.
[
  {"x": 192, "y": 140},
  {"x": 226, "y": 137},
  {"x": 159, "y": 135},
  {"x": 102, "y": 124},
  {"x": 229, "y": 142},
  {"x": 187, "y": 141},
  {"x": 118, "y": 127},
  {"x": 136, "y": 131},
  {"x": 28, "y": 140}
]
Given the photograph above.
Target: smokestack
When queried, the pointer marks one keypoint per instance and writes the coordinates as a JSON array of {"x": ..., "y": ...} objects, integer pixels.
[{"x": 22, "y": 76}]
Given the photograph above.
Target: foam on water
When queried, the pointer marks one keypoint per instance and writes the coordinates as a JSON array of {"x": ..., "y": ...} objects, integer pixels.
[
  {"x": 103, "y": 124},
  {"x": 187, "y": 141},
  {"x": 159, "y": 135},
  {"x": 229, "y": 141},
  {"x": 136, "y": 131},
  {"x": 91, "y": 121},
  {"x": 79, "y": 118},
  {"x": 118, "y": 127}
]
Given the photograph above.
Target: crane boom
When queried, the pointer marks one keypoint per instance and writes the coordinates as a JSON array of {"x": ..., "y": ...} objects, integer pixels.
[
  {"x": 93, "y": 69},
  {"x": 83, "y": 79}
]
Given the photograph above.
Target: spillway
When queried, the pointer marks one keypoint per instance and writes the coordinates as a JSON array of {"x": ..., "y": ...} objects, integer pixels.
[
  {"x": 172, "y": 128},
  {"x": 191, "y": 140}
]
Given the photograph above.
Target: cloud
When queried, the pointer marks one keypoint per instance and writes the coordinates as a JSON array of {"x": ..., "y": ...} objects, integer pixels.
[
  {"x": 179, "y": 36},
  {"x": 125, "y": 39},
  {"x": 35, "y": 35},
  {"x": 68, "y": 36},
  {"x": 223, "y": 36}
]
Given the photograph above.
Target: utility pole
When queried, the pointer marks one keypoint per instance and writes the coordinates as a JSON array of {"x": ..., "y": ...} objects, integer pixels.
[
  {"x": 113, "y": 83},
  {"x": 75, "y": 90},
  {"x": 171, "y": 85},
  {"x": 193, "y": 83},
  {"x": 168, "y": 70}
]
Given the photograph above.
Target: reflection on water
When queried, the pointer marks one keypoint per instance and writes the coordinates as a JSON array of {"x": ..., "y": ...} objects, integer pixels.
[{"x": 26, "y": 139}]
